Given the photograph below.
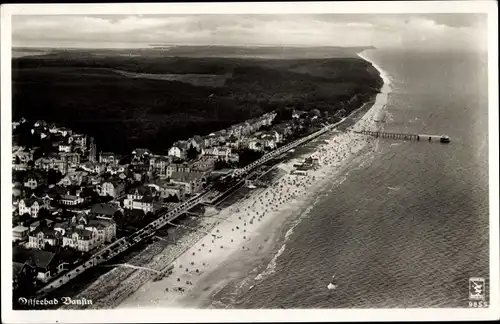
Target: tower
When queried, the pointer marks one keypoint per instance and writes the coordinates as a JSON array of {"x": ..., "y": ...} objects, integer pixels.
[{"x": 92, "y": 151}]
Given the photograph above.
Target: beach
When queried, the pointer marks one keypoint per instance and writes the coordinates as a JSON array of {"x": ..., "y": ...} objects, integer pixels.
[{"x": 248, "y": 228}]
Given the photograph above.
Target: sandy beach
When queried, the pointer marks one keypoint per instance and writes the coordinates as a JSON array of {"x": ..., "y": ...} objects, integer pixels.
[{"x": 247, "y": 225}]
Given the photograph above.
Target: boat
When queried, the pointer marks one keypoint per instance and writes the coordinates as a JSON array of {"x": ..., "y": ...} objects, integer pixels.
[
  {"x": 444, "y": 139},
  {"x": 331, "y": 285}
]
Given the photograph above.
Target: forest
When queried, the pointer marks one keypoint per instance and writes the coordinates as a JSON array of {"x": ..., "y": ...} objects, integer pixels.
[{"x": 85, "y": 92}]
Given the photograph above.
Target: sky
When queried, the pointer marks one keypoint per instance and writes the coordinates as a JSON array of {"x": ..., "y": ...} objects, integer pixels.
[{"x": 407, "y": 31}]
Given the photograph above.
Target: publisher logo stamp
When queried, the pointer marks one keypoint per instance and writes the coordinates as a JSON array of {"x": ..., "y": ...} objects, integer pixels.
[{"x": 477, "y": 288}]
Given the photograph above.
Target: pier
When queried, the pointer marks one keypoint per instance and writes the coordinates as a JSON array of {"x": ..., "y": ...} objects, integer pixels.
[{"x": 405, "y": 136}]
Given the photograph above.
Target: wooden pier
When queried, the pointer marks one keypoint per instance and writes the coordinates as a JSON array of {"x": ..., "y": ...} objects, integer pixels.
[{"x": 402, "y": 136}]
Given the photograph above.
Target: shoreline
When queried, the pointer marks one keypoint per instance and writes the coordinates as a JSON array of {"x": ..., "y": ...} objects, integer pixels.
[
  {"x": 220, "y": 262},
  {"x": 247, "y": 234}
]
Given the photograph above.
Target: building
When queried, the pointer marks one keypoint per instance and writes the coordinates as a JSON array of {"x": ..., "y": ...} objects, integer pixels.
[
  {"x": 108, "y": 158},
  {"x": 143, "y": 198},
  {"x": 167, "y": 189},
  {"x": 105, "y": 228},
  {"x": 72, "y": 159},
  {"x": 113, "y": 188},
  {"x": 192, "y": 181},
  {"x": 140, "y": 155},
  {"x": 53, "y": 162},
  {"x": 20, "y": 233},
  {"x": 204, "y": 163},
  {"x": 104, "y": 210},
  {"x": 35, "y": 225},
  {"x": 75, "y": 178},
  {"x": 177, "y": 167},
  {"x": 92, "y": 150},
  {"x": 22, "y": 155},
  {"x": 33, "y": 180},
  {"x": 71, "y": 200},
  {"x": 42, "y": 265},
  {"x": 79, "y": 140},
  {"x": 32, "y": 206},
  {"x": 256, "y": 144},
  {"x": 116, "y": 169},
  {"x": 43, "y": 235},
  {"x": 159, "y": 163},
  {"x": 179, "y": 150},
  {"x": 65, "y": 148},
  {"x": 81, "y": 239},
  {"x": 94, "y": 167}
]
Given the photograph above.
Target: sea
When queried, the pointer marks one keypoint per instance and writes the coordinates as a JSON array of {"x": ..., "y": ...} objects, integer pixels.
[{"x": 407, "y": 224}]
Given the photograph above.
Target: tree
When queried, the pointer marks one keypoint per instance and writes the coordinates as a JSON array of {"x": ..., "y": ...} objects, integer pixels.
[
  {"x": 172, "y": 198},
  {"x": 192, "y": 153},
  {"x": 282, "y": 114},
  {"x": 43, "y": 213},
  {"x": 221, "y": 164},
  {"x": 314, "y": 112},
  {"x": 54, "y": 176}
]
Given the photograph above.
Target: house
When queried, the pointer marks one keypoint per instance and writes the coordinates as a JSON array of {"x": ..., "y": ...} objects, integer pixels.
[
  {"x": 195, "y": 142},
  {"x": 65, "y": 131},
  {"x": 78, "y": 140},
  {"x": 209, "y": 141},
  {"x": 71, "y": 158},
  {"x": 43, "y": 235},
  {"x": 94, "y": 167},
  {"x": 65, "y": 148},
  {"x": 116, "y": 169},
  {"x": 283, "y": 129},
  {"x": 159, "y": 164},
  {"x": 104, "y": 210},
  {"x": 167, "y": 189},
  {"x": 269, "y": 141},
  {"x": 81, "y": 239},
  {"x": 178, "y": 150},
  {"x": 71, "y": 200},
  {"x": 32, "y": 206},
  {"x": 113, "y": 188},
  {"x": 141, "y": 155},
  {"x": 256, "y": 144},
  {"x": 108, "y": 158},
  {"x": 192, "y": 181},
  {"x": 20, "y": 233},
  {"x": 33, "y": 180},
  {"x": 35, "y": 225},
  {"x": 106, "y": 229},
  {"x": 177, "y": 167},
  {"x": 22, "y": 155},
  {"x": 53, "y": 129},
  {"x": 75, "y": 178},
  {"x": 143, "y": 198},
  {"x": 42, "y": 265},
  {"x": 204, "y": 163},
  {"x": 52, "y": 162}
]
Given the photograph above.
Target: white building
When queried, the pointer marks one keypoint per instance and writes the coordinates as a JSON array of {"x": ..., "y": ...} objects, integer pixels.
[
  {"x": 111, "y": 188},
  {"x": 32, "y": 206},
  {"x": 143, "y": 198}
]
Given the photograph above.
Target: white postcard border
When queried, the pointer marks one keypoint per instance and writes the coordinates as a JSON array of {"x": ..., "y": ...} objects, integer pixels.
[{"x": 179, "y": 315}]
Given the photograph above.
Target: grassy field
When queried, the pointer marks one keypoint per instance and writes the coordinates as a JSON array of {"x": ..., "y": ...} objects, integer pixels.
[{"x": 150, "y": 100}]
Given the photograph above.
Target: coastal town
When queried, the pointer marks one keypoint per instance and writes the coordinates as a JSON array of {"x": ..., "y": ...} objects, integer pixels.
[{"x": 70, "y": 199}]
